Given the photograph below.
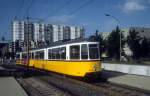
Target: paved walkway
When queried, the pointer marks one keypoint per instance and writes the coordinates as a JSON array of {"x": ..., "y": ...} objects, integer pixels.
[
  {"x": 142, "y": 82},
  {"x": 10, "y": 87}
]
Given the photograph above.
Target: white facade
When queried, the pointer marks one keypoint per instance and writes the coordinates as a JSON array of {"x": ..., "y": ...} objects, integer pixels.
[
  {"x": 45, "y": 32},
  {"x": 39, "y": 32},
  {"x": 72, "y": 32},
  {"x": 18, "y": 31},
  {"x": 77, "y": 32},
  {"x": 60, "y": 32},
  {"x": 55, "y": 33}
]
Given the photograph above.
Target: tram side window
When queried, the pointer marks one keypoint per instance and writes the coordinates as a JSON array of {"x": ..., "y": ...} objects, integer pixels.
[
  {"x": 24, "y": 55},
  {"x": 84, "y": 51},
  {"x": 53, "y": 54},
  {"x": 75, "y": 52},
  {"x": 63, "y": 53},
  {"x": 41, "y": 54},
  {"x": 36, "y": 55},
  {"x": 57, "y": 53},
  {"x": 93, "y": 51},
  {"x": 17, "y": 56},
  {"x": 32, "y": 55},
  {"x": 50, "y": 54}
]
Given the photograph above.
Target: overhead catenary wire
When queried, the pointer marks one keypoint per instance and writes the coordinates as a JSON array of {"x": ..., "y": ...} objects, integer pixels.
[
  {"x": 58, "y": 10},
  {"x": 81, "y": 7},
  {"x": 74, "y": 11},
  {"x": 28, "y": 8}
]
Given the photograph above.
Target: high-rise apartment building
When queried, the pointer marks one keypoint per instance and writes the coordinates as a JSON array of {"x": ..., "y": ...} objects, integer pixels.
[
  {"x": 40, "y": 34},
  {"x": 48, "y": 33},
  {"x": 28, "y": 31},
  {"x": 18, "y": 30},
  {"x": 72, "y": 31},
  {"x": 67, "y": 33},
  {"x": 60, "y": 32}
]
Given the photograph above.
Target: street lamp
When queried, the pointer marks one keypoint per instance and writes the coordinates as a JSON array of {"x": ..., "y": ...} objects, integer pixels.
[{"x": 120, "y": 30}]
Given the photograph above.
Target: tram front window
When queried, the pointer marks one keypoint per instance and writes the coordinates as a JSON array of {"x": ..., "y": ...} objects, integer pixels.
[
  {"x": 93, "y": 51},
  {"x": 75, "y": 52}
]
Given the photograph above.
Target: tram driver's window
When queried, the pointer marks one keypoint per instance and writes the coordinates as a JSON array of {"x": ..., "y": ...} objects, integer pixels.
[
  {"x": 93, "y": 51},
  {"x": 75, "y": 52}
]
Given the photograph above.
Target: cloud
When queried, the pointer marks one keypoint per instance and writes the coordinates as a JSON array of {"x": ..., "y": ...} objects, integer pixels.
[
  {"x": 132, "y": 6},
  {"x": 61, "y": 18}
]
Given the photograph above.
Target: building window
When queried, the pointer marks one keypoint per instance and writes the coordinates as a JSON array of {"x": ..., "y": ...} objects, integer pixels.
[
  {"x": 84, "y": 51},
  {"x": 93, "y": 51},
  {"x": 75, "y": 52}
]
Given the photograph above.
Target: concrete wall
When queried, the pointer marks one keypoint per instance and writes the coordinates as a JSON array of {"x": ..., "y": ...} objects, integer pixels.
[{"x": 126, "y": 68}]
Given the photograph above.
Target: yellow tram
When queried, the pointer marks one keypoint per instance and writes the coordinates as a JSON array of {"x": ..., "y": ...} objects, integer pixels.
[{"x": 74, "y": 58}]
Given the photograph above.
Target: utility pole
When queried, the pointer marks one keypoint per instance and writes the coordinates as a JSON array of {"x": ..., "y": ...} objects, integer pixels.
[
  {"x": 28, "y": 43},
  {"x": 120, "y": 31}
]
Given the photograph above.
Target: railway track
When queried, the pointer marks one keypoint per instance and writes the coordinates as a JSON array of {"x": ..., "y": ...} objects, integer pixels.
[
  {"x": 119, "y": 90},
  {"x": 80, "y": 88},
  {"x": 56, "y": 85},
  {"x": 36, "y": 87}
]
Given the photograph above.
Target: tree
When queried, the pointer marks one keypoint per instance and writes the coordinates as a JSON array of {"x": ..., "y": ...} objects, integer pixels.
[
  {"x": 98, "y": 38},
  {"x": 95, "y": 37},
  {"x": 113, "y": 43},
  {"x": 133, "y": 41},
  {"x": 144, "y": 48}
]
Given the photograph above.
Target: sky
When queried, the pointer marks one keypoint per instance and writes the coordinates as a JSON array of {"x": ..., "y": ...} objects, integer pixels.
[{"x": 87, "y": 13}]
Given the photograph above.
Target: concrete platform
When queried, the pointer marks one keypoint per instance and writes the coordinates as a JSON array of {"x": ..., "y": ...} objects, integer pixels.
[
  {"x": 10, "y": 87},
  {"x": 136, "y": 81}
]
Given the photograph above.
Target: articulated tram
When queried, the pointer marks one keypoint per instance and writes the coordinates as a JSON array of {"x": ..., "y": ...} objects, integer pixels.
[{"x": 74, "y": 58}]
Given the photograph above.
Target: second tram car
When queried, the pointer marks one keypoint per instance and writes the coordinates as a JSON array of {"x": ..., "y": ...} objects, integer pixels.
[{"x": 74, "y": 59}]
